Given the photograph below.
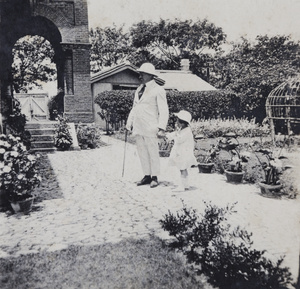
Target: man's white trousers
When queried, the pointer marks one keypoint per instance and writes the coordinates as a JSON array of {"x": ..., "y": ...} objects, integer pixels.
[{"x": 148, "y": 152}]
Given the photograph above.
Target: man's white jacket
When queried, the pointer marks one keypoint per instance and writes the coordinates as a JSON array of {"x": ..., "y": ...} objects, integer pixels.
[{"x": 149, "y": 113}]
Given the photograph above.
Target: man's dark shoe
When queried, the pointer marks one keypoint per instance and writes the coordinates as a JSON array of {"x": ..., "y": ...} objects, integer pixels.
[
  {"x": 146, "y": 180},
  {"x": 154, "y": 182}
]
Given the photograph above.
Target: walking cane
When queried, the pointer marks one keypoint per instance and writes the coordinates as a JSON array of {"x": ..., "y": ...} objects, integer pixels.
[{"x": 124, "y": 152}]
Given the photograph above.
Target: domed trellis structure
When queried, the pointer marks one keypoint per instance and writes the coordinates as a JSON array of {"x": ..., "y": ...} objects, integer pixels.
[{"x": 283, "y": 107}]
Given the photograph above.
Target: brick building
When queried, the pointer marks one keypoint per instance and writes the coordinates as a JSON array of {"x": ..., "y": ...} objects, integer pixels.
[{"x": 65, "y": 25}]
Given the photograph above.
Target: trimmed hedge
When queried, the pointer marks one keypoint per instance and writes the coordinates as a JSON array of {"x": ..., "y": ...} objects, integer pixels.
[
  {"x": 205, "y": 104},
  {"x": 116, "y": 104}
]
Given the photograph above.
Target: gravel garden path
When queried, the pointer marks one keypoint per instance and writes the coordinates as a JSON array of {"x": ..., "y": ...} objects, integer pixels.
[{"x": 100, "y": 205}]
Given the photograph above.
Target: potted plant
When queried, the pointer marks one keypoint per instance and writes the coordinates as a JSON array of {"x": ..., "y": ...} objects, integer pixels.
[
  {"x": 62, "y": 139},
  {"x": 273, "y": 168},
  {"x": 234, "y": 169},
  {"x": 206, "y": 161},
  {"x": 228, "y": 142},
  {"x": 18, "y": 173},
  {"x": 165, "y": 147}
]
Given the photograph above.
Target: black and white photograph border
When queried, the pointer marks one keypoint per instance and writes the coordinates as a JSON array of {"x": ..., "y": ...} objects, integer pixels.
[{"x": 90, "y": 225}]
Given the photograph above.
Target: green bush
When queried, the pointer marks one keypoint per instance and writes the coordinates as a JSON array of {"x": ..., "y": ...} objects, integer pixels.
[
  {"x": 204, "y": 104},
  {"x": 55, "y": 105},
  {"x": 16, "y": 124},
  {"x": 115, "y": 106},
  {"x": 62, "y": 139},
  {"x": 88, "y": 135},
  {"x": 223, "y": 253}
]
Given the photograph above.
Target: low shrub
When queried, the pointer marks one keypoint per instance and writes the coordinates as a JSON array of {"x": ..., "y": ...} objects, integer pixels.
[
  {"x": 53, "y": 109},
  {"x": 222, "y": 253},
  {"x": 55, "y": 105},
  {"x": 16, "y": 122},
  {"x": 62, "y": 139},
  {"x": 243, "y": 127},
  {"x": 88, "y": 135},
  {"x": 288, "y": 181}
]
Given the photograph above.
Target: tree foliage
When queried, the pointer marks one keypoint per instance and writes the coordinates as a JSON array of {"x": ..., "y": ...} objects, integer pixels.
[
  {"x": 164, "y": 44},
  {"x": 110, "y": 46},
  {"x": 169, "y": 41},
  {"x": 252, "y": 70},
  {"x": 33, "y": 63}
]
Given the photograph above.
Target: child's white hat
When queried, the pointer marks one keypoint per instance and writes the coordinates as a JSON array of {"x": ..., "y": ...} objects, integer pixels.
[{"x": 184, "y": 115}]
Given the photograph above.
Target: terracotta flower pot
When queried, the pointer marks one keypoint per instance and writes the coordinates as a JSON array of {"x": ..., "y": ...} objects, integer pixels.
[
  {"x": 205, "y": 167},
  {"x": 3, "y": 200},
  {"x": 24, "y": 206},
  {"x": 270, "y": 190},
  {"x": 164, "y": 153},
  {"x": 234, "y": 177}
]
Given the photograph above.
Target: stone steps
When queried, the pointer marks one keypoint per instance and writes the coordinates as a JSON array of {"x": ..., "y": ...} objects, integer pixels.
[
  {"x": 42, "y": 135},
  {"x": 41, "y": 124},
  {"x": 41, "y": 131}
]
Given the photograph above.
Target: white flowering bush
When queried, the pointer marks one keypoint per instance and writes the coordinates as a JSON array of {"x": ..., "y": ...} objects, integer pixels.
[
  {"x": 17, "y": 169},
  {"x": 62, "y": 139}
]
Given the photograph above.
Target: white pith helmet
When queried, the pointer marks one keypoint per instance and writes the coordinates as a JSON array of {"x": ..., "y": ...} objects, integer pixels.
[
  {"x": 184, "y": 115},
  {"x": 147, "y": 68}
]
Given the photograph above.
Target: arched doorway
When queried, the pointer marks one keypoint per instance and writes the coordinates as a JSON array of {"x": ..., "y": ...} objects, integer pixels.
[
  {"x": 35, "y": 78},
  {"x": 64, "y": 24}
]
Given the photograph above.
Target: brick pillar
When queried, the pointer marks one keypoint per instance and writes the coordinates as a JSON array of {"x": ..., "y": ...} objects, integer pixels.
[{"x": 78, "y": 106}]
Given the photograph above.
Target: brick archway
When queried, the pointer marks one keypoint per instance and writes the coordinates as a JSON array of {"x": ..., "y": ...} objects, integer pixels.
[{"x": 65, "y": 25}]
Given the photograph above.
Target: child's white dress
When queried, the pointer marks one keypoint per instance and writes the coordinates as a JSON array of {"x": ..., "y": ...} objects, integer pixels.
[{"x": 182, "y": 154}]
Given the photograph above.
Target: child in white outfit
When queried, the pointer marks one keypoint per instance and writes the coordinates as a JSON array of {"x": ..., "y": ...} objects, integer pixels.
[{"x": 182, "y": 154}]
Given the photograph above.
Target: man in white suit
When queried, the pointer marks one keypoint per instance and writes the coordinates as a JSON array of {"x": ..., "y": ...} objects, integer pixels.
[{"x": 147, "y": 120}]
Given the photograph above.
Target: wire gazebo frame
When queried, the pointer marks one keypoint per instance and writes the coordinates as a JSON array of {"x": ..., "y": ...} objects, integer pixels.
[{"x": 283, "y": 105}]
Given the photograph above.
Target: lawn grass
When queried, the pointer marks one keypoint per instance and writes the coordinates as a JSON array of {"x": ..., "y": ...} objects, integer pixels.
[{"x": 131, "y": 263}]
